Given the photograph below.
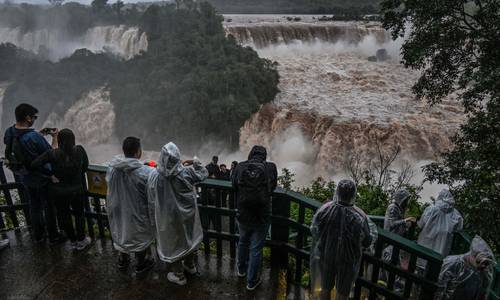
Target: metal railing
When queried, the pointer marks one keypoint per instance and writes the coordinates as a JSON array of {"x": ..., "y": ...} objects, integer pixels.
[{"x": 289, "y": 242}]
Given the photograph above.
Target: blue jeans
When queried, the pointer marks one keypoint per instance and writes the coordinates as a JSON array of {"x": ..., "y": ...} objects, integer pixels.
[
  {"x": 250, "y": 247},
  {"x": 42, "y": 213}
]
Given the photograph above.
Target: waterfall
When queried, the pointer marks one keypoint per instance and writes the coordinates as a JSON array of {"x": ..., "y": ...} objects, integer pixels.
[{"x": 56, "y": 44}]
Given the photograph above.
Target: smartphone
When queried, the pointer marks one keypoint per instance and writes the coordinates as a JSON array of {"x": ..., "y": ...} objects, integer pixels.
[{"x": 46, "y": 131}]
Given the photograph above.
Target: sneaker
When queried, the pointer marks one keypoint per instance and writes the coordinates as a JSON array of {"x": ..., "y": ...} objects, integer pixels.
[
  {"x": 190, "y": 271},
  {"x": 254, "y": 286},
  {"x": 146, "y": 266},
  {"x": 176, "y": 279},
  {"x": 57, "y": 240},
  {"x": 81, "y": 245},
  {"x": 73, "y": 245},
  {"x": 242, "y": 274}
]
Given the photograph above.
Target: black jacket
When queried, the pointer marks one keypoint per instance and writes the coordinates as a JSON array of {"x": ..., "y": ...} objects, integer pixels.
[
  {"x": 257, "y": 215},
  {"x": 70, "y": 171}
]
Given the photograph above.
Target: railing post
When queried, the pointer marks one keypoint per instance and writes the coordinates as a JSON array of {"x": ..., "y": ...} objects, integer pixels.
[
  {"x": 280, "y": 231},
  {"x": 432, "y": 275}
]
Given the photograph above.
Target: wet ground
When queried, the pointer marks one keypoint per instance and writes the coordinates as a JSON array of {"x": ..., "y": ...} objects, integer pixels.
[{"x": 29, "y": 271}]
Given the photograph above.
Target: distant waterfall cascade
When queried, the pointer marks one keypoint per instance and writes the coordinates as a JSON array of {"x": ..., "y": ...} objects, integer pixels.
[{"x": 56, "y": 44}]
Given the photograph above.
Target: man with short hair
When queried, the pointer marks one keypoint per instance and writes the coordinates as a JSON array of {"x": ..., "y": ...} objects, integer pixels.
[
  {"x": 23, "y": 145},
  {"x": 224, "y": 173},
  {"x": 127, "y": 206},
  {"x": 254, "y": 181},
  {"x": 340, "y": 232},
  {"x": 213, "y": 168}
]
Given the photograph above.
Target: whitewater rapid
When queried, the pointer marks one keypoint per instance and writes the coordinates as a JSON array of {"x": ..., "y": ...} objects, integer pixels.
[{"x": 56, "y": 44}]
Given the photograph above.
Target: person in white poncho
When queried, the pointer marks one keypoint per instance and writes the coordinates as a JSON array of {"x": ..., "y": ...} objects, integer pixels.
[
  {"x": 127, "y": 206},
  {"x": 174, "y": 213},
  {"x": 438, "y": 222}
]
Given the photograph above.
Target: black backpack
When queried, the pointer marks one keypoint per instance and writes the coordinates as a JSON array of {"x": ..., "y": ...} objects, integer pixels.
[
  {"x": 253, "y": 184},
  {"x": 17, "y": 159}
]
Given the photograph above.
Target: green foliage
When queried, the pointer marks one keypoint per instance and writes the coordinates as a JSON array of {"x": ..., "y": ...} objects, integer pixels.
[
  {"x": 192, "y": 85},
  {"x": 456, "y": 44},
  {"x": 286, "y": 179},
  {"x": 319, "y": 190}
]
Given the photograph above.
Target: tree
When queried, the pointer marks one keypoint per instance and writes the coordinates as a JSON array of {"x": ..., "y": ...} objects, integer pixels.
[
  {"x": 99, "y": 5},
  {"x": 117, "y": 7},
  {"x": 456, "y": 44},
  {"x": 56, "y": 2}
]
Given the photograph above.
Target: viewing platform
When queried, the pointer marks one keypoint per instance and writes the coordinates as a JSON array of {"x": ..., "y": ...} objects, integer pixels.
[{"x": 55, "y": 272}]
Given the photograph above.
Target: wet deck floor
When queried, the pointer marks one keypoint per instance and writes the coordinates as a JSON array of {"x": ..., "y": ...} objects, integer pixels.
[{"x": 30, "y": 271}]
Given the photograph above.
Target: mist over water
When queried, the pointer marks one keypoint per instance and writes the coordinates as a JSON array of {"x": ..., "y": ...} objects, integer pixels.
[
  {"x": 56, "y": 44},
  {"x": 333, "y": 100}
]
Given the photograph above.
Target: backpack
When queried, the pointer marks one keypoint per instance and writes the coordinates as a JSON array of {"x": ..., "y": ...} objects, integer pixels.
[
  {"x": 17, "y": 159},
  {"x": 253, "y": 184}
]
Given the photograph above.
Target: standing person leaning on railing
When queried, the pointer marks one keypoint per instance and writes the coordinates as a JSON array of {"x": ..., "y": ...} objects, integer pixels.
[
  {"x": 69, "y": 164},
  {"x": 340, "y": 232},
  {"x": 254, "y": 181},
  {"x": 174, "y": 211},
  {"x": 127, "y": 206}
]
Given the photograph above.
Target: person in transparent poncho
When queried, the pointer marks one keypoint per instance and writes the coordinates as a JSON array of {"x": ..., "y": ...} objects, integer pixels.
[
  {"x": 127, "y": 206},
  {"x": 438, "y": 222},
  {"x": 467, "y": 276},
  {"x": 340, "y": 232},
  {"x": 174, "y": 212}
]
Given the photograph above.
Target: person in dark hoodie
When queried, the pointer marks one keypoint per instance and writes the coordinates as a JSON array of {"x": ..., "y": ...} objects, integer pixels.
[
  {"x": 24, "y": 144},
  {"x": 254, "y": 181},
  {"x": 395, "y": 220},
  {"x": 69, "y": 164}
]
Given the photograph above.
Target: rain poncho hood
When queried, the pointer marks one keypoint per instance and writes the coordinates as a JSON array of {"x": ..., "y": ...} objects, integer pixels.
[
  {"x": 438, "y": 222},
  {"x": 127, "y": 204},
  {"x": 172, "y": 202},
  {"x": 340, "y": 231},
  {"x": 394, "y": 215},
  {"x": 460, "y": 276}
]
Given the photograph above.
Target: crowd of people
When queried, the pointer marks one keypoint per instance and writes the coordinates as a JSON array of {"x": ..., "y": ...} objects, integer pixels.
[{"x": 155, "y": 207}]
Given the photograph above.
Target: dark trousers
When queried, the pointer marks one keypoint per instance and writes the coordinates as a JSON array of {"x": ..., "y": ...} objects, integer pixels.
[
  {"x": 42, "y": 213},
  {"x": 139, "y": 256},
  {"x": 64, "y": 204}
]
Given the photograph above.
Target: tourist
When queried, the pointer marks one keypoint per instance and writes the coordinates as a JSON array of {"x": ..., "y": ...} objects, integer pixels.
[
  {"x": 23, "y": 145},
  {"x": 395, "y": 220},
  {"x": 174, "y": 211},
  {"x": 340, "y": 232},
  {"x": 254, "y": 181},
  {"x": 213, "y": 168},
  {"x": 225, "y": 174},
  {"x": 467, "y": 276},
  {"x": 127, "y": 206},
  {"x": 438, "y": 222},
  {"x": 234, "y": 164},
  {"x": 69, "y": 164}
]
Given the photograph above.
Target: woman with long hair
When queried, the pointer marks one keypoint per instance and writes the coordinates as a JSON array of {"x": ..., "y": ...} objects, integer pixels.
[{"x": 69, "y": 163}]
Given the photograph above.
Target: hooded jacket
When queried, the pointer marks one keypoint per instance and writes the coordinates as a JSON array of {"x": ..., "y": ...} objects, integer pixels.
[
  {"x": 173, "y": 206},
  {"x": 255, "y": 215},
  {"x": 459, "y": 279},
  {"x": 340, "y": 231},
  {"x": 395, "y": 213},
  {"x": 127, "y": 204},
  {"x": 438, "y": 222}
]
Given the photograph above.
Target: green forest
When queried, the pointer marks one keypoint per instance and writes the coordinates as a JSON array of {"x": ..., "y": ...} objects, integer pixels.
[{"x": 193, "y": 84}]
